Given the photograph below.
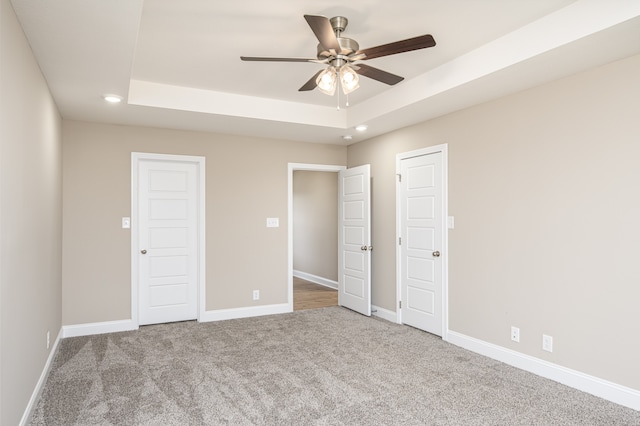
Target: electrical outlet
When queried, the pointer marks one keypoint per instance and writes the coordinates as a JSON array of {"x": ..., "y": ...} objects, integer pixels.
[
  {"x": 48, "y": 339},
  {"x": 256, "y": 294},
  {"x": 547, "y": 343},
  {"x": 515, "y": 334}
]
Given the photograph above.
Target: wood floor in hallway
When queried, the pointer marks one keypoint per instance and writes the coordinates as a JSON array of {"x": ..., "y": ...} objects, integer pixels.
[{"x": 308, "y": 295}]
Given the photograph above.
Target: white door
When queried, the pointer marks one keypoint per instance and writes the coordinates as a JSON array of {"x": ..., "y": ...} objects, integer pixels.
[
  {"x": 354, "y": 239},
  {"x": 421, "y": 242},
  {"x": 168, "y": 241}
]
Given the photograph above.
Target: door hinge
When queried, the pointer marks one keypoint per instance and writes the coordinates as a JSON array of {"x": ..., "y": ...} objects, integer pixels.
[
  {"x": 399, "y": 241},
  {"x": 400, "y": 304},
  {"x": 399, "y": 177}
]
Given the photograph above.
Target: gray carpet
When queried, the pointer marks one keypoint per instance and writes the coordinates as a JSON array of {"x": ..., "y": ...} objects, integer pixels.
[{"x": 317, "y": 367}]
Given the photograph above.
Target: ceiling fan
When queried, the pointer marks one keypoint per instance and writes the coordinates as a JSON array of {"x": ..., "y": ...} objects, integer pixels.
[{"x": 340, "y": 53}]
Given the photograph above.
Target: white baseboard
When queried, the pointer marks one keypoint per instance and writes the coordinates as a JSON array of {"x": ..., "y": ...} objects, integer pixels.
[
  {"x": 217, "y": 315},
  {"x": 251, "y": 311},
  {"x": 43, "y": 377},
  {"x": 595, "y": 386},
  {"x": 98, "y": 328},
  {"x": 316, "y": 279},
  {"x": 385, "y": 314}
]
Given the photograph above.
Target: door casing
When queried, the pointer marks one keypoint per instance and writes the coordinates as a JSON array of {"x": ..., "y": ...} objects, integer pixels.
[
  {"x": 443, "y": 148},
  {"x": 136, "y": 157}
]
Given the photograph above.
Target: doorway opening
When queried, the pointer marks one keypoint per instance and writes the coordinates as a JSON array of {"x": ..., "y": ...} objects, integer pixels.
[{"x": 313, "y": 280}]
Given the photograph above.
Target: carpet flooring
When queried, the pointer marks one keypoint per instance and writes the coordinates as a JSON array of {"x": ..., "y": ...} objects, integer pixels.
[{"x": 325, "y": 366}]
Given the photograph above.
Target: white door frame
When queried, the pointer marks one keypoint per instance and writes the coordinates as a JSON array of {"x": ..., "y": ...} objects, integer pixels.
[
  {"x": 443, "y": 148},
  {"x": 291, "y": 168},
  {"x": 136, "y": 157}
]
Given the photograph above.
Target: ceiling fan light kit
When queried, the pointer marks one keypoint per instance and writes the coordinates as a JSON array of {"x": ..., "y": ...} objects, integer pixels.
[
  {"x": 327, "y": 80},
  {"x": 340, "y": 53}
]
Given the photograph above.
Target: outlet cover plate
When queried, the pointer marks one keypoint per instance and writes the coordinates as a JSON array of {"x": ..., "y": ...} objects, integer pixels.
[
  {"x": 515, "y": 334},
  {"x": 547, "y": 343}
]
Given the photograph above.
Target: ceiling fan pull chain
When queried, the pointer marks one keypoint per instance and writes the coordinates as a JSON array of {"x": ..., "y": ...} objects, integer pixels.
[
  {"x": 347, "y": 104},
  {"x": 338, "y": 108}
]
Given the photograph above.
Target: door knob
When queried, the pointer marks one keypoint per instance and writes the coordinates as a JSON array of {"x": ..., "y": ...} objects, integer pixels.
[
  {"x": 436, "y": 253},
  {"x": 143, "y": 251},
  {"x": 364, "y": 248},
  {"x": 370, "y": 248}
]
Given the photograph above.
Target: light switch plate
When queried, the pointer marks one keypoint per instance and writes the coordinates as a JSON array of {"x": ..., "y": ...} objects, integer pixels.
[
  {"x": 126, "y": 222},
  {"x": 273, "y": 222},
  {"x": 450, "y": 222}
]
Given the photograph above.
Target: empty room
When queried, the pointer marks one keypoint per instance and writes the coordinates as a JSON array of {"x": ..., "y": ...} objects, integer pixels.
[{"x": 456, "y": 183}]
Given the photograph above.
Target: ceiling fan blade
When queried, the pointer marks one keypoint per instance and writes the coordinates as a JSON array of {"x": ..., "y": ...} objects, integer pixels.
[
  {"x": 323, "y": 30},
  {"x": 263, "y": 59},
  {"x": 311, "y": 84},
  {"x": 377, "y": 74},
  {"x": 401, "y": 46}
]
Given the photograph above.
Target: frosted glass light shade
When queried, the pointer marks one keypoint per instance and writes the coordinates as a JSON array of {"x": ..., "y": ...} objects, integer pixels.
[
  {"x": 327, "y": 81},
  {"x": 348, "y": 79}
]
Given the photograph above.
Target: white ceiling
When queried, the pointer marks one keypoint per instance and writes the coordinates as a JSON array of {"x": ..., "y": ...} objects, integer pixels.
[{"x": 177, "y": 63}]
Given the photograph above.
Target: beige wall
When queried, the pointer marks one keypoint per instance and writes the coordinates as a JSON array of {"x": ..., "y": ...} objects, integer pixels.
[
  {"x": 544, "y": 187},
  {"x": 246, "y": 182},
  {"x": 315, "y": 223},
  {"x": 30, "y": 219}
]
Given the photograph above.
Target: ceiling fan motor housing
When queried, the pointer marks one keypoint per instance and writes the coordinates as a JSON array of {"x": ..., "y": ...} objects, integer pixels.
[{"x": 347, "y": 46}]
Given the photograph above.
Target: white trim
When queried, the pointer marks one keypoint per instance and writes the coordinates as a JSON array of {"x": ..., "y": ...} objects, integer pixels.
[
  {"x": 247, "y": 312},
  {"x": 201, "y": 166},
  {"x": 291, "y": 167},
  {"x": 316, "y": 279},
  {"x": 90, "y": 329},
  {"x": 215, "y": 315},
  {"x": 444, "y": 149},
  {"x": 590, "y": 384},
  {"x": 383, "y": 313},
  {"x": 41, "y": 381}
]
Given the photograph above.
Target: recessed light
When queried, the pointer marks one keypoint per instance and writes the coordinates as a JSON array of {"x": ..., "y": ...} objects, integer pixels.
[
  {"x": 361, "y": 128},
  {"x": 347, "y": 137},
  {"x": 114, "y": 99}
]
